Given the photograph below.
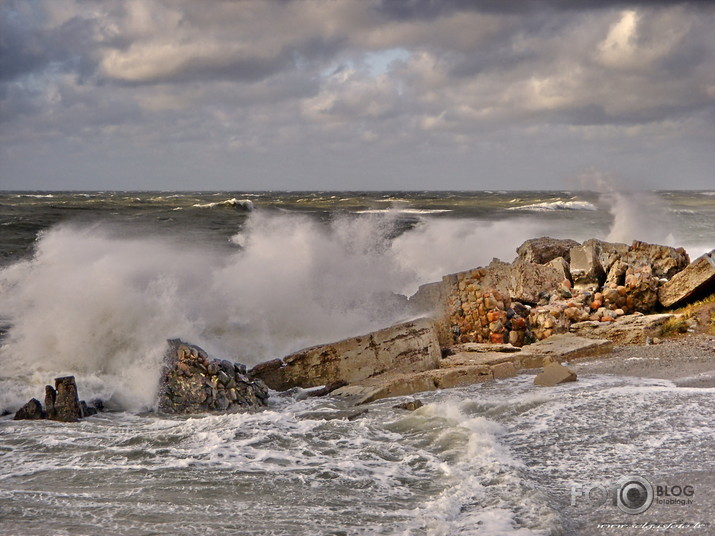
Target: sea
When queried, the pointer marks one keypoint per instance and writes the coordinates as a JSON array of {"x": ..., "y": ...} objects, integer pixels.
[{"x": 92, "y": 284}]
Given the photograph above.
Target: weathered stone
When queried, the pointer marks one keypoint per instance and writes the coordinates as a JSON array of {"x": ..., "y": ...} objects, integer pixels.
[
  {"x": 642, "y": 289},
  {"x": 391, "y": 385},
  {"x": 562, "y": 268},
  {"x": 664, "y": 261},
  {"x": 67, "y": 407},
  {"x": 411, "y": 405},
  {"x": 607, "y": 252},
  {"x": 185, "y": 387},
  {"x": 544, "y": 249},
  {"x": 502, "y": 371},
  {"x": 627, "y": 329},
  {"x": 30, "y": 411},
  {"x": 50, "y": 399},
  {"x": 562, "y": 347},
  {"x": 697, "y": 279},
  {"x": 554, "y": 373},
  {"x": 86, "y": 410},
  {"x": 586, "y": 269},
  {"x": 617, "y": 273},
  {"x": 327, "y": 389},
  {"x": 408, "y": 347},
  {"x": 527, "y": 280}
]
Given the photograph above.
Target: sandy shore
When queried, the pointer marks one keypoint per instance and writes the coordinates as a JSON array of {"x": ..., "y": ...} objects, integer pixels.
[{"x": 688, "y": 361}]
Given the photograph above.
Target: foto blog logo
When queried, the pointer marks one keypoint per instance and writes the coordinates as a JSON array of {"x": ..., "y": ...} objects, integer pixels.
[{"x": 632, "y": 494}]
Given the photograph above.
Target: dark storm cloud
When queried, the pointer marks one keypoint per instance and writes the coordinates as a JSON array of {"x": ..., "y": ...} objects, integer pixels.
[
  {"x": 252, "y": 81},
  {"x": 26, "y": 48},
  {"x": 432, "y": 9}
]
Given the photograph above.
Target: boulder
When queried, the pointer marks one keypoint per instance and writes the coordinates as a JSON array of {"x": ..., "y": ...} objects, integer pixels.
[
  {"x": 66, "y": 407},
  {"x": 50, "y": 399},
  {"x": 607, "y": 252},
  {"x": 30, "y": 411},
  {"x": 617, "y": 273},
  {"x": 554, "y": 373},
  {"x": 697, "y": 279},
  {"x": 193, "y": 383},
  {"x": 586, "y": 269},
  {"x": 411, "y": 405},
  {"x": 642, "y": 289},
  {"x": 407, "y": 347},
  {"x": 544, "y": 249},
  {"x": 528, "y": 280},
  {"x": 561, "y": 265},
  {"x": 664, "y": 261}
]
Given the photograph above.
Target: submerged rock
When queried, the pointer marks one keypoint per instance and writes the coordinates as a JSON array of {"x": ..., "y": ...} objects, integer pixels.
[{"x": 193, "y": 383}]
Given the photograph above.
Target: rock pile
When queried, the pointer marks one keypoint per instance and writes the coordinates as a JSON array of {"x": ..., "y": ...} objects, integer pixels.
[
  {"x": 62, "y": 404},
  {"x": 550, "y": 286},
  {"x": 193, "y": 383}
]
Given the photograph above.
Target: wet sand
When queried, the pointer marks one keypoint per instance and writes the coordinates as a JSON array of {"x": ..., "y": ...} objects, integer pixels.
[{"x": 687, "y": 361}]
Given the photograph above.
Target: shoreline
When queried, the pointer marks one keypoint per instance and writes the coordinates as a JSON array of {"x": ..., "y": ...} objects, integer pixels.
[{"x": 687, "y": 361}]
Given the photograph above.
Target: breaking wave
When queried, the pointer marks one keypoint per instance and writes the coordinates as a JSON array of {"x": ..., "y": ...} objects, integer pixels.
[
  {"x": 243, "y": 204},
  {"x": 557, "y": 205}
]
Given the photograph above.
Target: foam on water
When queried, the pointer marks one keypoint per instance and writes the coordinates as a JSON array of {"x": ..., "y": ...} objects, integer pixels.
[
  {"x": 98, "y": 302},
  {"x": 556, "y": 205}
]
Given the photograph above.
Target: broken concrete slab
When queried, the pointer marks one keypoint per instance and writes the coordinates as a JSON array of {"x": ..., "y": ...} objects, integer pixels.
[
  {"x": 562, "y": 347},
  {"x": 698, "y": 278},
  {"x": 391, "y": 385},
  {"x": 408, "y": 347},
  {"x": 553, "y": 374},
  {"x": 462, "y": 359},
  {"x": 586, "y": 269},
  {"x": 502, "y": 371},
  {"x": 628, "y": 329}
]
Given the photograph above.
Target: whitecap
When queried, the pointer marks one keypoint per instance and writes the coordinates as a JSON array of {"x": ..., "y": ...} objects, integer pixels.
[{"x": 556, "y": 205}]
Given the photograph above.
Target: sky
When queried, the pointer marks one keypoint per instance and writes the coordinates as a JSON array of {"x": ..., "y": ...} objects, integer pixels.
[{"x": 356, "y": 94}]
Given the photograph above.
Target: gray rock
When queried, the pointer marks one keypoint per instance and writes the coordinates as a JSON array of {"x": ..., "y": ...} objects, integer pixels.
[
  {"x": 30, "y": 411},
  {"x": 586, "y": 269},
  {"x": 188, "y": 385},
  {"x": 411, "y": 405},
  {"x": 544, "y": 249},
  {"x": 50, "y": 398},
  {"x": 554, "y": 373},
  {"x": 697, "y": 279},
  {"x": 67, "y": 406}
]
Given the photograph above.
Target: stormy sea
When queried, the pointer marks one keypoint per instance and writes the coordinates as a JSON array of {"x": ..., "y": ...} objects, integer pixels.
[{"x": 92, "y": 284}]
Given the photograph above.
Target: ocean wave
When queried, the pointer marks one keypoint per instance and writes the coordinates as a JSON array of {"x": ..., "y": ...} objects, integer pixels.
[
  {"x": 244, "y": 204},
  {"x": 556, "y": 205},
  {"x": 35, "y": 196},
  {"x": 403, "y": 211}
]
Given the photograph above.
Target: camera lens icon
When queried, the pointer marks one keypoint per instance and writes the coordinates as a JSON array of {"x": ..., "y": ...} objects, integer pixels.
[{"x": 634, "y": 494}]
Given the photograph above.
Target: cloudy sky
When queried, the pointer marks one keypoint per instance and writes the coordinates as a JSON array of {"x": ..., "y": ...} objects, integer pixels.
[{"x": 355, "y": 94}]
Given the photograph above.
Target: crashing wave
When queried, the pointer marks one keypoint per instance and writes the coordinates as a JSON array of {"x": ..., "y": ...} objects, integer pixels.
[
  {"x": 557, "y": 205},
  {"x": 241, "y": 204}
]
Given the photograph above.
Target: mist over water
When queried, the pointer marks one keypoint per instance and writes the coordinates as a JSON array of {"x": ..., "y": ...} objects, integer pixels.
[
  {"x": 93, "y": 284},
  {"x": 99, "y": 299}
]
